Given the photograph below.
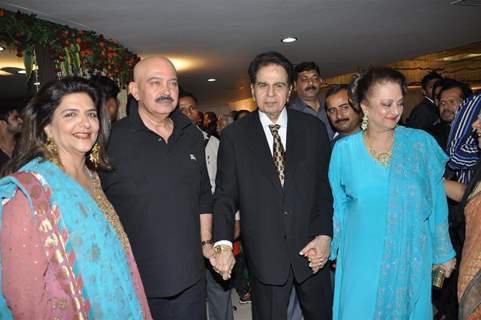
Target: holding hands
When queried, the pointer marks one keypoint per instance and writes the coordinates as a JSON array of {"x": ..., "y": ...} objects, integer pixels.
[
  {"x": 223, "y": 260},
  {"x": 317, "y": 252}
]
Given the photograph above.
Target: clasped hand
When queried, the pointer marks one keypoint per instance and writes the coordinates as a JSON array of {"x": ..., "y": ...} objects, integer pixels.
[
  {"x": 222, "y": 263},
  {"x": 317, "y": 252}
]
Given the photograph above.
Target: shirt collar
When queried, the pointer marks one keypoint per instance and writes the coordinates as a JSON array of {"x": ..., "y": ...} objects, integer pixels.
[
  {"x": 136, "y": 124},
  {"x": 429, "y": 99},
  {"x": 282, "y": 120}
]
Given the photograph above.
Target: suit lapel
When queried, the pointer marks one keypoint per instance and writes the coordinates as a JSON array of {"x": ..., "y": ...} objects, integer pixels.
[
  {"x": 260, "y": 148},
  {"x": 294, "y": 151}
]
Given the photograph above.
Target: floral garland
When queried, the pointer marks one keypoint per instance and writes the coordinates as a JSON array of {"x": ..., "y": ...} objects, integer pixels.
[{"x": 75, "y": 52}]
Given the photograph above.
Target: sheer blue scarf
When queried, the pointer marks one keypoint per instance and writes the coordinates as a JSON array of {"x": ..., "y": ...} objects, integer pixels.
[
  {"x": 100, "y": 258},
  {"x": 413, "y": 238}
]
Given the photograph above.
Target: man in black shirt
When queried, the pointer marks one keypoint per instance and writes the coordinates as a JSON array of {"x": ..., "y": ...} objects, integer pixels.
[
  {"x": 10, "y": 127},
  {"x": 160, "y": 189}
]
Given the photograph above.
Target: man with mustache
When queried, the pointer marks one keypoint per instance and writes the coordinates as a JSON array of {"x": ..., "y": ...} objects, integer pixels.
[
  {"x": 343, "y": 117},
  {"x": 160, "y": 189},
  {"x": 308, "y": 83},
  {"x": 450, "y": 98}
]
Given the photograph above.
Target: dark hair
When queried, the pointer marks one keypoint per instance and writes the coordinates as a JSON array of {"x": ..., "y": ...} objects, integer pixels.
[
  {"x": 436, "y": 85},
  {"x": 106, "y": 85},
  {"x": 240, "y": 114},
  {"x": 6, "y": 111},
  {"x": 268, "y": 58},
  {"x": 335, "y": 89},
  {"x": 184, "y": 94},
  {"x": 430, "y": 76},
  {"x": 449, "y": 83},
  {"x": 39, "y": 113},
  {"x": 362, "y": 83},
  {"x": 211, "y": 127},
  {"x": 307, "y": 66}
]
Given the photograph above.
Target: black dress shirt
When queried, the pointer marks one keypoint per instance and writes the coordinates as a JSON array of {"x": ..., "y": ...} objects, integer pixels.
[{"x": 159, "y": 190}]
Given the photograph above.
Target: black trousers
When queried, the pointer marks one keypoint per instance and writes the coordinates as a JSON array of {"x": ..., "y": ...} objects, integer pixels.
[
  {"x": 187, "y": 305},
  {"x": 269, "y": 302}
]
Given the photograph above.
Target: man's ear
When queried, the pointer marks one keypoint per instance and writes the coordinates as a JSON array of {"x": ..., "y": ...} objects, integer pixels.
[{"x": 134, "y": 90}]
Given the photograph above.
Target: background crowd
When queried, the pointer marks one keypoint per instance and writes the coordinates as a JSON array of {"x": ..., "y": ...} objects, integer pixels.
[{"x": 314, "y": 207}]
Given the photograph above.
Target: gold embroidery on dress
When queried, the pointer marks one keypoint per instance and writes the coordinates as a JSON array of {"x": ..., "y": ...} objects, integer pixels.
[{"x": 109, "y": 212}]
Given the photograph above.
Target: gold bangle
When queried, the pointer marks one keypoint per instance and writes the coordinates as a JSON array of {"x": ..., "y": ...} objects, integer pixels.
[{"x": 222, "y": 248}]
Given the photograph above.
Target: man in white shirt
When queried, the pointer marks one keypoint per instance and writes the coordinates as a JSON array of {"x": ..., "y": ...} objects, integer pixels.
[{"x": 218, "y": 291}]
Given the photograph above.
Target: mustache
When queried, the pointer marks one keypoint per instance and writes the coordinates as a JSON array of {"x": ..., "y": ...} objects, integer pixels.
[
  {"x": 164, "y": 98},
  {"x": 341, "y": 120},
  {"x": 310, "y": 88}
]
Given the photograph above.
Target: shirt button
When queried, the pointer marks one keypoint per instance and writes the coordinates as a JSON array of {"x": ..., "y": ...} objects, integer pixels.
[{"x": 286, "y": 213}]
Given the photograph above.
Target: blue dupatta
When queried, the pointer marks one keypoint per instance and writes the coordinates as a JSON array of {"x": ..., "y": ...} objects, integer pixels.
[
  {"x": 100, "y": 258},
  {"x": 411, "y": 246}
]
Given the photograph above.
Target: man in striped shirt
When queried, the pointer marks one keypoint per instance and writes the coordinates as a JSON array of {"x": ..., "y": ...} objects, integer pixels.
[{"x": 463, "y": 148}]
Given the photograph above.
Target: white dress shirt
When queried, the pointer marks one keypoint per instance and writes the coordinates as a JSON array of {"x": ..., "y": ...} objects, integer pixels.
[
  {"x": 265, "y": 122},
  {"x": 282, "y": 121}
]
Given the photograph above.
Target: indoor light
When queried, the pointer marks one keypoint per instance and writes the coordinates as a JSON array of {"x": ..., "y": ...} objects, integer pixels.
[{"x": 289, "y": 39}]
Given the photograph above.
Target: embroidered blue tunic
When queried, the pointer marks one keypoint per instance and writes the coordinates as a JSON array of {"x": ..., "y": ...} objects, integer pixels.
[{"x": 390, "y": 226}]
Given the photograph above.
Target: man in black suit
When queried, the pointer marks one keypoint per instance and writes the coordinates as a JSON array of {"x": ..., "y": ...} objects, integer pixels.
[
  {"x": 272, "y": 166},
  {"x": 425, "y": 114},
  {"x": 160, "y": 189}
]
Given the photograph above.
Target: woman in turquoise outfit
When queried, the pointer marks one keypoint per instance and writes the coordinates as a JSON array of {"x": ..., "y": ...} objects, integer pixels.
[{"x": 390, "y": 209}]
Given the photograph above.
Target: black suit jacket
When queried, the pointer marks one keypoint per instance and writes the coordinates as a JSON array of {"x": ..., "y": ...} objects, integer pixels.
[
  {"x": 423, "y": 116},
  {"x": 276, "y": 222}
]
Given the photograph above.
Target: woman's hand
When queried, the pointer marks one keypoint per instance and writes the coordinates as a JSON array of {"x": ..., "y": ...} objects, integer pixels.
[{"x": 448, "y": 266}]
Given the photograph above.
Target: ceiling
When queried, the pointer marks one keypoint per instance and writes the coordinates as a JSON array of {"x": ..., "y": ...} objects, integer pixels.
[{"x": 220, "y": 37}]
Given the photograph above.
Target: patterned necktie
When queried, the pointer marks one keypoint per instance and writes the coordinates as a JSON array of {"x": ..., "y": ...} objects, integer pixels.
[{"x": 278, "y": 154}]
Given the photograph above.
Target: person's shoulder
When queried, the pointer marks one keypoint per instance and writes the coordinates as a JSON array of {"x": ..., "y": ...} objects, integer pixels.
[
  {"x": 305, "y": 118},
  {"x": 120, "y": 126},
  {"x": 239, "y": 126},
  {"x": 412, "y": 135},
  {"x": 296, "y": 104},
  {"x": 214, "y": 140},
  {"x": 411, "y": 132},
  {"x": 347, "y": 141}
]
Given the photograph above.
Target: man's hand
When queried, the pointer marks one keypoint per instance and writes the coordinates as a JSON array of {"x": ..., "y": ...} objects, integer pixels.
[
  {"x": 208, "y": 252},
  {"x": 317, "y": 251},
  {"x": 223, "y": 261}
]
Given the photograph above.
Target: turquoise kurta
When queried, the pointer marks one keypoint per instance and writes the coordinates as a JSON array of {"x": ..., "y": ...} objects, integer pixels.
[{"x": 375, "y": 231}]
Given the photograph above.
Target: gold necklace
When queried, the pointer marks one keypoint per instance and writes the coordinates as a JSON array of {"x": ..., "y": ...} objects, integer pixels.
[{"x": 382, "y": 157}]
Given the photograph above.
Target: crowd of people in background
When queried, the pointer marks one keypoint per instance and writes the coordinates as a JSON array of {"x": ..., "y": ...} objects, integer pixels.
[{"x": 311, "y": 207}]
